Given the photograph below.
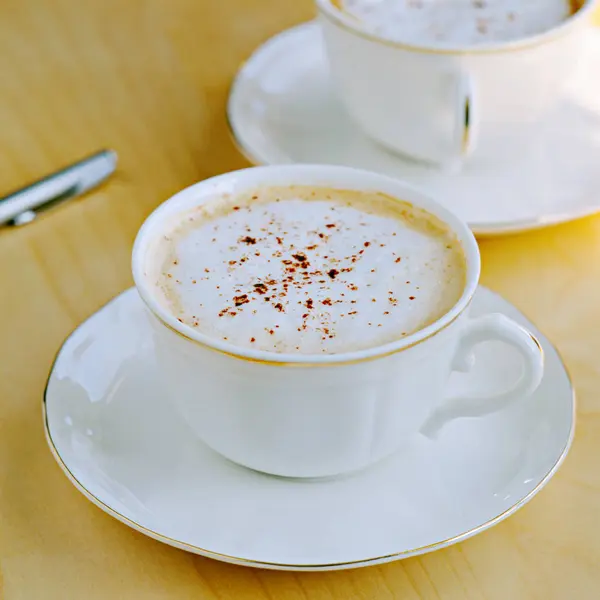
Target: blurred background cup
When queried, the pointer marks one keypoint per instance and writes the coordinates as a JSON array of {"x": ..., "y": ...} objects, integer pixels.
[{"x": 441, "y": 103}]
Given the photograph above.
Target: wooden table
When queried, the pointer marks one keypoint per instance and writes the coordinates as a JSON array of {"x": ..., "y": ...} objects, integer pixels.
[{"x": 150, "y": 79}]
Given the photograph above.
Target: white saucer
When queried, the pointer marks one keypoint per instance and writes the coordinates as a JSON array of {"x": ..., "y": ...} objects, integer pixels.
[
  {"x": 282, "y": 109},
  {"x": 111, "y": 429}
]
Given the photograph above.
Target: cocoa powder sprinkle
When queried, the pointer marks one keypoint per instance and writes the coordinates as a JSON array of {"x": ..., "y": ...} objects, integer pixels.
[
  {"x": 239, "y": 300},
  {"x": 261, "y": 288},
  {"x": 298, "y": 272}
]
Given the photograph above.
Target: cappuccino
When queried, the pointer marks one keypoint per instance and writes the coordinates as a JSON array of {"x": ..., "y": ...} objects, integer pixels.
[
  {"x": 457, "y": 22},
  {"x": 301, "y": 269}
]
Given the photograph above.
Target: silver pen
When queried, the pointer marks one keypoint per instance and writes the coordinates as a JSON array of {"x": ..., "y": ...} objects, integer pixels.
[{"x": 22, "y": 206}]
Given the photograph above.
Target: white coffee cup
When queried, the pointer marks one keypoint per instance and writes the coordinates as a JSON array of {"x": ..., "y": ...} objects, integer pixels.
[
  {"x": 321, "y": 415},
  {"x": 441, "y": 103}
]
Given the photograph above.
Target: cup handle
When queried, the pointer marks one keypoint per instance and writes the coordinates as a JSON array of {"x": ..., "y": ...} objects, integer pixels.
[
  {"x": 466, "y": 117},
  {"x": 489, "y": 327}
]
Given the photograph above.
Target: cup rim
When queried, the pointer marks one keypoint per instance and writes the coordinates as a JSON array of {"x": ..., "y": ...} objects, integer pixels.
[
  {"x": 328, "y": 10},
  {"x": 296, "y": 174}
]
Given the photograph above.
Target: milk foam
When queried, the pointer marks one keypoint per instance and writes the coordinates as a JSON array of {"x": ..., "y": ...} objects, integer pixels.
[
  {"x": 457, "y": 22},
  {"x": 307, "y": 270}
]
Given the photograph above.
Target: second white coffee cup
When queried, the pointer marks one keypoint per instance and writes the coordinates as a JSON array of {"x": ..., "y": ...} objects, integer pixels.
[
  {"x": 440, "y": 104},
  {"x": 320, "y": 415}
]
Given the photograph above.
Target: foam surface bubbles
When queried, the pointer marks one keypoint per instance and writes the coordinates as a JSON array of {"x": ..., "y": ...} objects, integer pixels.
[
  {"x": 457, "y": 22},
  {"x": 308, "y": 270}
]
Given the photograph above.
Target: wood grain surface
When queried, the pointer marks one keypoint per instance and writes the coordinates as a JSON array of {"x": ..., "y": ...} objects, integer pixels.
[{"x": 149, "y": 78}]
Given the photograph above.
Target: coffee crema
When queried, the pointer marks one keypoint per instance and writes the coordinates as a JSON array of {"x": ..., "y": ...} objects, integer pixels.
[
  {"x": 301, "y": 269},
  {"x": 458, "y": 22}
]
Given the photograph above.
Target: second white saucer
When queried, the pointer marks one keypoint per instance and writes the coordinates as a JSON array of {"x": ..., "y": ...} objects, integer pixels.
[
  {"x": 282, "y": 109},
  {"x": 111, "y": 427}
]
